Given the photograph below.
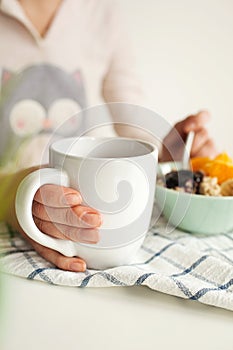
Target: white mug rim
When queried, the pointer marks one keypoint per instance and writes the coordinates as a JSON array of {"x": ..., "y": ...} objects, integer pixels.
[{"x": 152, "y": 148}]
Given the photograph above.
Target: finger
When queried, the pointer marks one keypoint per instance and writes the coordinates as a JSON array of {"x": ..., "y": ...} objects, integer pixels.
[
  {"x": 57, "y": 196},
  {"x": 206, "y": 149},
  {"x": 82, "y": 235},
  {"x": 78, "y": 216},
  {"x": 196, "y": 122},
  {"x": 63, "y": 262},
  {"x": 201, "y": 137},
  {"x": 74, "y": 264}
]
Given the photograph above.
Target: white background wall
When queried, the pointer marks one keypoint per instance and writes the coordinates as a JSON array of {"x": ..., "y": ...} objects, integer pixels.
[{"x": 184, "y": 54}]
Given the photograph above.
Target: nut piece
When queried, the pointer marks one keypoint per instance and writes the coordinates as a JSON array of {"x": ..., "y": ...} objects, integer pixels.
[
  {"x": 209, "y": 186},
  {"x": 227, "y": 188}
]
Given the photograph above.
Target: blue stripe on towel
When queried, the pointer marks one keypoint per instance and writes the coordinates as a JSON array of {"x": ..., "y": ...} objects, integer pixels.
[
  {"x": 203, "y": 291},
  {"x": 142, "y": 278},
  {"x": 38, "y": 272},
  {"x": 15, "y": 252},
  {"x": 106, "y": 276},
  {"x": 192, "y": 267},
  {"x": 159, "y": 253},
  {"x": 182, "y": 287}
]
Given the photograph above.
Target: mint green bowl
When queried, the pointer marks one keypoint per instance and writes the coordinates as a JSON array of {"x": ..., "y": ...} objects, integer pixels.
[{"x": 191, "y": 212}]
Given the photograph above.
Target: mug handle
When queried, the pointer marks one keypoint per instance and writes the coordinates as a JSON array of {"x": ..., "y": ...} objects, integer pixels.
[{"x": 23, "y": 206}]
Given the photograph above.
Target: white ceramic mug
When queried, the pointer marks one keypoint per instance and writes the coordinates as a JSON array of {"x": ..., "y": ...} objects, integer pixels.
[{"x": 116, "y": 176}]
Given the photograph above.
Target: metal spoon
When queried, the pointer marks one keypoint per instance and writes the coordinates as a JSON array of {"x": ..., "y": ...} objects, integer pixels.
[{"x": 187, "y": 150}]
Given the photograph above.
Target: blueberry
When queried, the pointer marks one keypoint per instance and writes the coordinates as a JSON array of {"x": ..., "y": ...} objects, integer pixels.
[
  {"x": 178, "y": 178},
  {"x": 186, "y": 179}
]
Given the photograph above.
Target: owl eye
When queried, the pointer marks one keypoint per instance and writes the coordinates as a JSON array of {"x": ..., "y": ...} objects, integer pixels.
[
  {"x": 27, "y": 117},
  {"x": 63, "y": 115}
]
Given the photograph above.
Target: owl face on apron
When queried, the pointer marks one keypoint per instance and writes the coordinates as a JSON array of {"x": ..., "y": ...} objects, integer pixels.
[{"x": 35, "y": 103}]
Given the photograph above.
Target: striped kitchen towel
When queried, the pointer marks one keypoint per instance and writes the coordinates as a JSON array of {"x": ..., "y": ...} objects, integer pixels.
[{"x": 190, "y": 266}]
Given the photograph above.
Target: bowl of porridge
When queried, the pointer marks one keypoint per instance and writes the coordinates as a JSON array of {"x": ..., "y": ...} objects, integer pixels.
[{"x": 199, "y": 200}]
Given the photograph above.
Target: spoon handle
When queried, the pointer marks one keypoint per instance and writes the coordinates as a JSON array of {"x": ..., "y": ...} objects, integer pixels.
[{"x": 187, "y": 150}]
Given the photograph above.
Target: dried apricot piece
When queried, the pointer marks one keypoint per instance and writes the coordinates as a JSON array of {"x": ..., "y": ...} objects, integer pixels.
[
  {"x": 198, "y": 163},
  {"x": 224, "y": 157},
  {"x": 220, "y": 169}
]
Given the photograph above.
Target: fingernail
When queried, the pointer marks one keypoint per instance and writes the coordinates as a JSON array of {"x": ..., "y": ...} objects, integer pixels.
[
  {"x": 88, "y": 236},
  {"x": 78, "y": 266},
  {"x": 92, "y": 219},
  {"x": 71, "y": 199}
]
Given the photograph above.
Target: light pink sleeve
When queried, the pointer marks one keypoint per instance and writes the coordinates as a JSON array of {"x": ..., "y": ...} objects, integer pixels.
[{"x": 121, "y": 82}]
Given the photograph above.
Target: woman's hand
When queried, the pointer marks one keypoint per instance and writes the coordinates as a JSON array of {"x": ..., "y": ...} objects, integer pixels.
[
  {"x": 58, "y": 212},
  {"x": 203, "y": 145}
]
